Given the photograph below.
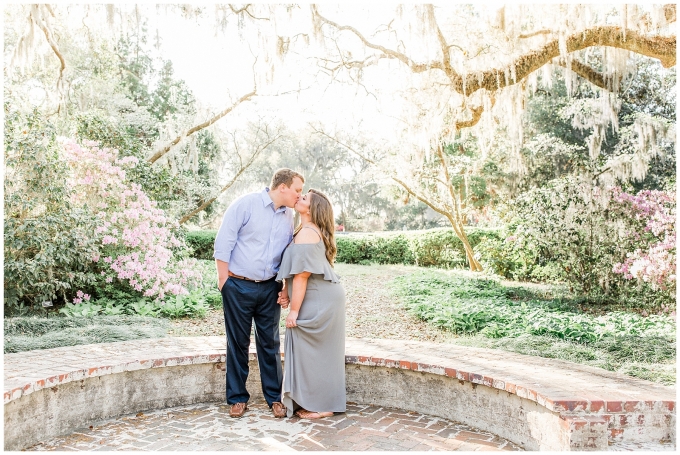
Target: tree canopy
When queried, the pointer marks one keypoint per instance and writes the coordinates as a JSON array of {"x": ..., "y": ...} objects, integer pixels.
[{"x": 429, "y": 94}]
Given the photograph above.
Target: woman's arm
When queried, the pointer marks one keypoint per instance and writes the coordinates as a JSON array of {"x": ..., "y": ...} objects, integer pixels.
[
  {"x": 299, "y": 290},
  {"x": 300, "y": 280}
]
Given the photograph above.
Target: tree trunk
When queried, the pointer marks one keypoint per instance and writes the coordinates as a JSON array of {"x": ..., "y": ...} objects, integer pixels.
[{"x": 457, "y": 226}]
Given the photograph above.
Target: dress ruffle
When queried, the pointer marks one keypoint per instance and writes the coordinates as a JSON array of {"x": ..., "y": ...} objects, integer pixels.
[{"x": 306, "y": 257}]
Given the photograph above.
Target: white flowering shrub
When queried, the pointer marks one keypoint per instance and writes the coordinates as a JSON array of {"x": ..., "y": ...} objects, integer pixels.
[{"x": 600, "y": 242}]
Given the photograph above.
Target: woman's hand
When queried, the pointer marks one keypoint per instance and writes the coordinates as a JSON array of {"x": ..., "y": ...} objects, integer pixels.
[
  {"x": 283, "y": 299},
  {"x": 291, "y": 319}
]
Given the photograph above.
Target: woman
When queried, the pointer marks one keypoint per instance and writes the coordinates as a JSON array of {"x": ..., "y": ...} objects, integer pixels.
[{"x": 314, "y": 365}]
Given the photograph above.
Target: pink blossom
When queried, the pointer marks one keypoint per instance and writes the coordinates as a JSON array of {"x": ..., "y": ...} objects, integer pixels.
[
  {"x": 654, "y": 261},
  {"x": 108, "y": 239},
  {"x": 135, "y": 236}
]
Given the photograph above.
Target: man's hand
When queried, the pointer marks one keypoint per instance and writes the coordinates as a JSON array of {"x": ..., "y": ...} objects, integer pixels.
[
  {"x": 222, "y": 273},
  {"x": 291, "y": 320},
  {"x": 283, "y": 299}
]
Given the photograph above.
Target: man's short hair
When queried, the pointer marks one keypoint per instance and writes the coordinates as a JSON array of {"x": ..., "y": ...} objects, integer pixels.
[{"x": 286, "y": 176}]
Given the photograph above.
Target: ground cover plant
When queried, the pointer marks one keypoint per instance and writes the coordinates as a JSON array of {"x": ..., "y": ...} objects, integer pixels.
[
  {"x": 486, "y": 313},
  {"x": 118, "y": 317},
  {"x": 24, "y": 333}
]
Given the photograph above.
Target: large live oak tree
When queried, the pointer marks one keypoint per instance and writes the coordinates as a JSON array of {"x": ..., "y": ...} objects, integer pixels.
[{"x": 494, "y": 68}]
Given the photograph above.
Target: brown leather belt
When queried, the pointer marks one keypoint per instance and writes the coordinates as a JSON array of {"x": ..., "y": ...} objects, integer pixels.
[{"x": 249, "y": 279}]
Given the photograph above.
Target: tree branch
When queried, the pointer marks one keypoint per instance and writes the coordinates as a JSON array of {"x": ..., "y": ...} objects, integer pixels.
[
  {"x": 532, "y": 34},
  {"x": 389, "y": 53},
  {"x": 662, "y": 48},
  {"x": 240, "y": 171},
  {"x": 247, "y": 11},
  {"x": 445, "y": 168},
  {"x": 421, "y": 198},
  {"x": 166, "y": 148},
  {"x": 53, "y": 45},
  {"x": 446, "y": 58},
  {"x": 588, "y": 73},
  {"x": 669, "y": 12},
  {"x": 659, "y": 47},
  {"x": 399, "y": 181},
  {"x": 476, "y": 115}
]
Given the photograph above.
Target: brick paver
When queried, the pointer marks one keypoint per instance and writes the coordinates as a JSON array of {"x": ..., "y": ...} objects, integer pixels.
[{"x": 208, "y": 426}]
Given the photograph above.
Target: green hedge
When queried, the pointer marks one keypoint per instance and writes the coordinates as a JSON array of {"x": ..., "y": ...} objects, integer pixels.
[
  {"x": 429, "y": 248},
  {"x": 202, "y": 242},
  {"x": 433, "y": 247}
]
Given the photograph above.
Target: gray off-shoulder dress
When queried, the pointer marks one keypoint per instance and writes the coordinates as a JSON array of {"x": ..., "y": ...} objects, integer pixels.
[{"x": 314, "y": 362}]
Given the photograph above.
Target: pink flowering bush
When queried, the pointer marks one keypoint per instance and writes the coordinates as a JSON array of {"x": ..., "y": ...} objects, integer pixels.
[
  {"x": 135, "y": 238},
  {"x": 652, "y": 228}
]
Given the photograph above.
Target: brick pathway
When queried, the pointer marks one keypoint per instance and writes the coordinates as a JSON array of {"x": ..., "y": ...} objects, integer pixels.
[{"x": 208, "y": 426}]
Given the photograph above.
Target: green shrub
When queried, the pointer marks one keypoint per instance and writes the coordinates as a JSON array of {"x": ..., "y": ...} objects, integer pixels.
[
  {"x": 442, "y": 248},
  {"x": 185, "y": 305},
  {"x": 47, "y": 245},
  {"x": 202, "y": 243},
  {"x": 433, "y": 247},
  {"x": 213, "y": 299},
  {"x": 563, "y": 233},
  {"x": 84, "y": 309},
  {"x": 373, "y": 248},
  {"x": 438, "y": 247},
  {"x": 144, "y": 308},
  {"x": 352, "y": 250}
]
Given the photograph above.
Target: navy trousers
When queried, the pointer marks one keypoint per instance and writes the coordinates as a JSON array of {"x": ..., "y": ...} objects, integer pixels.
[{"x": 244, "y": 301}]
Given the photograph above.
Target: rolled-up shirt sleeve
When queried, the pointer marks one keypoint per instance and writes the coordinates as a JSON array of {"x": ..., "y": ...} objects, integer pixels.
[{"x": 234, "y": 218}]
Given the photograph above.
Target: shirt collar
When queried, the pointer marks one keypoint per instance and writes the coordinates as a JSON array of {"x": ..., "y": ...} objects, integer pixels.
[{"x": 267, "y": 200}]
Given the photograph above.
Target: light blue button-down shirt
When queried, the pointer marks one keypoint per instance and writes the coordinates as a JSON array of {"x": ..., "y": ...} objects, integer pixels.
[{"x": 253, "y": 235}]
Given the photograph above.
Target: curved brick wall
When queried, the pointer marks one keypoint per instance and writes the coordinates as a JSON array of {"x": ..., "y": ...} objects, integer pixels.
[{"x": 540, "y": 404}]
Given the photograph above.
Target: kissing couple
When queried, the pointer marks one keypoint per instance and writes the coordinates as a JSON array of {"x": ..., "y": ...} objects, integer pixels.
[{"x": 266, "y": 264}]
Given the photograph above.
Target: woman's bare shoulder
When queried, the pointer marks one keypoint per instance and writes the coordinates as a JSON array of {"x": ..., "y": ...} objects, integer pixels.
[{"x": 307, "y": 236}]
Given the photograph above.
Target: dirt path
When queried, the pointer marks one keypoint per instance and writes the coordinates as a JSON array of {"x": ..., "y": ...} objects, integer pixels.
[{"x": 371, "y": 311}]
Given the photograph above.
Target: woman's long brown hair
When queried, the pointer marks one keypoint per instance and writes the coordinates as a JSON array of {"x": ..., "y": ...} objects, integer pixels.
[{"x": 321, "y": 212}]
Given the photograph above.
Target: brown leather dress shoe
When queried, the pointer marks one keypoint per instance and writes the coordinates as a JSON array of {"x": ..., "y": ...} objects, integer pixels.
[
  {"x": 238, "y": 409},
  {"x": 278, "y": 409}
]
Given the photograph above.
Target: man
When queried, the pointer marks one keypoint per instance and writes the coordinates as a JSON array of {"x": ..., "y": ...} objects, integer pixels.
[{"x": 255, "y": 230}]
